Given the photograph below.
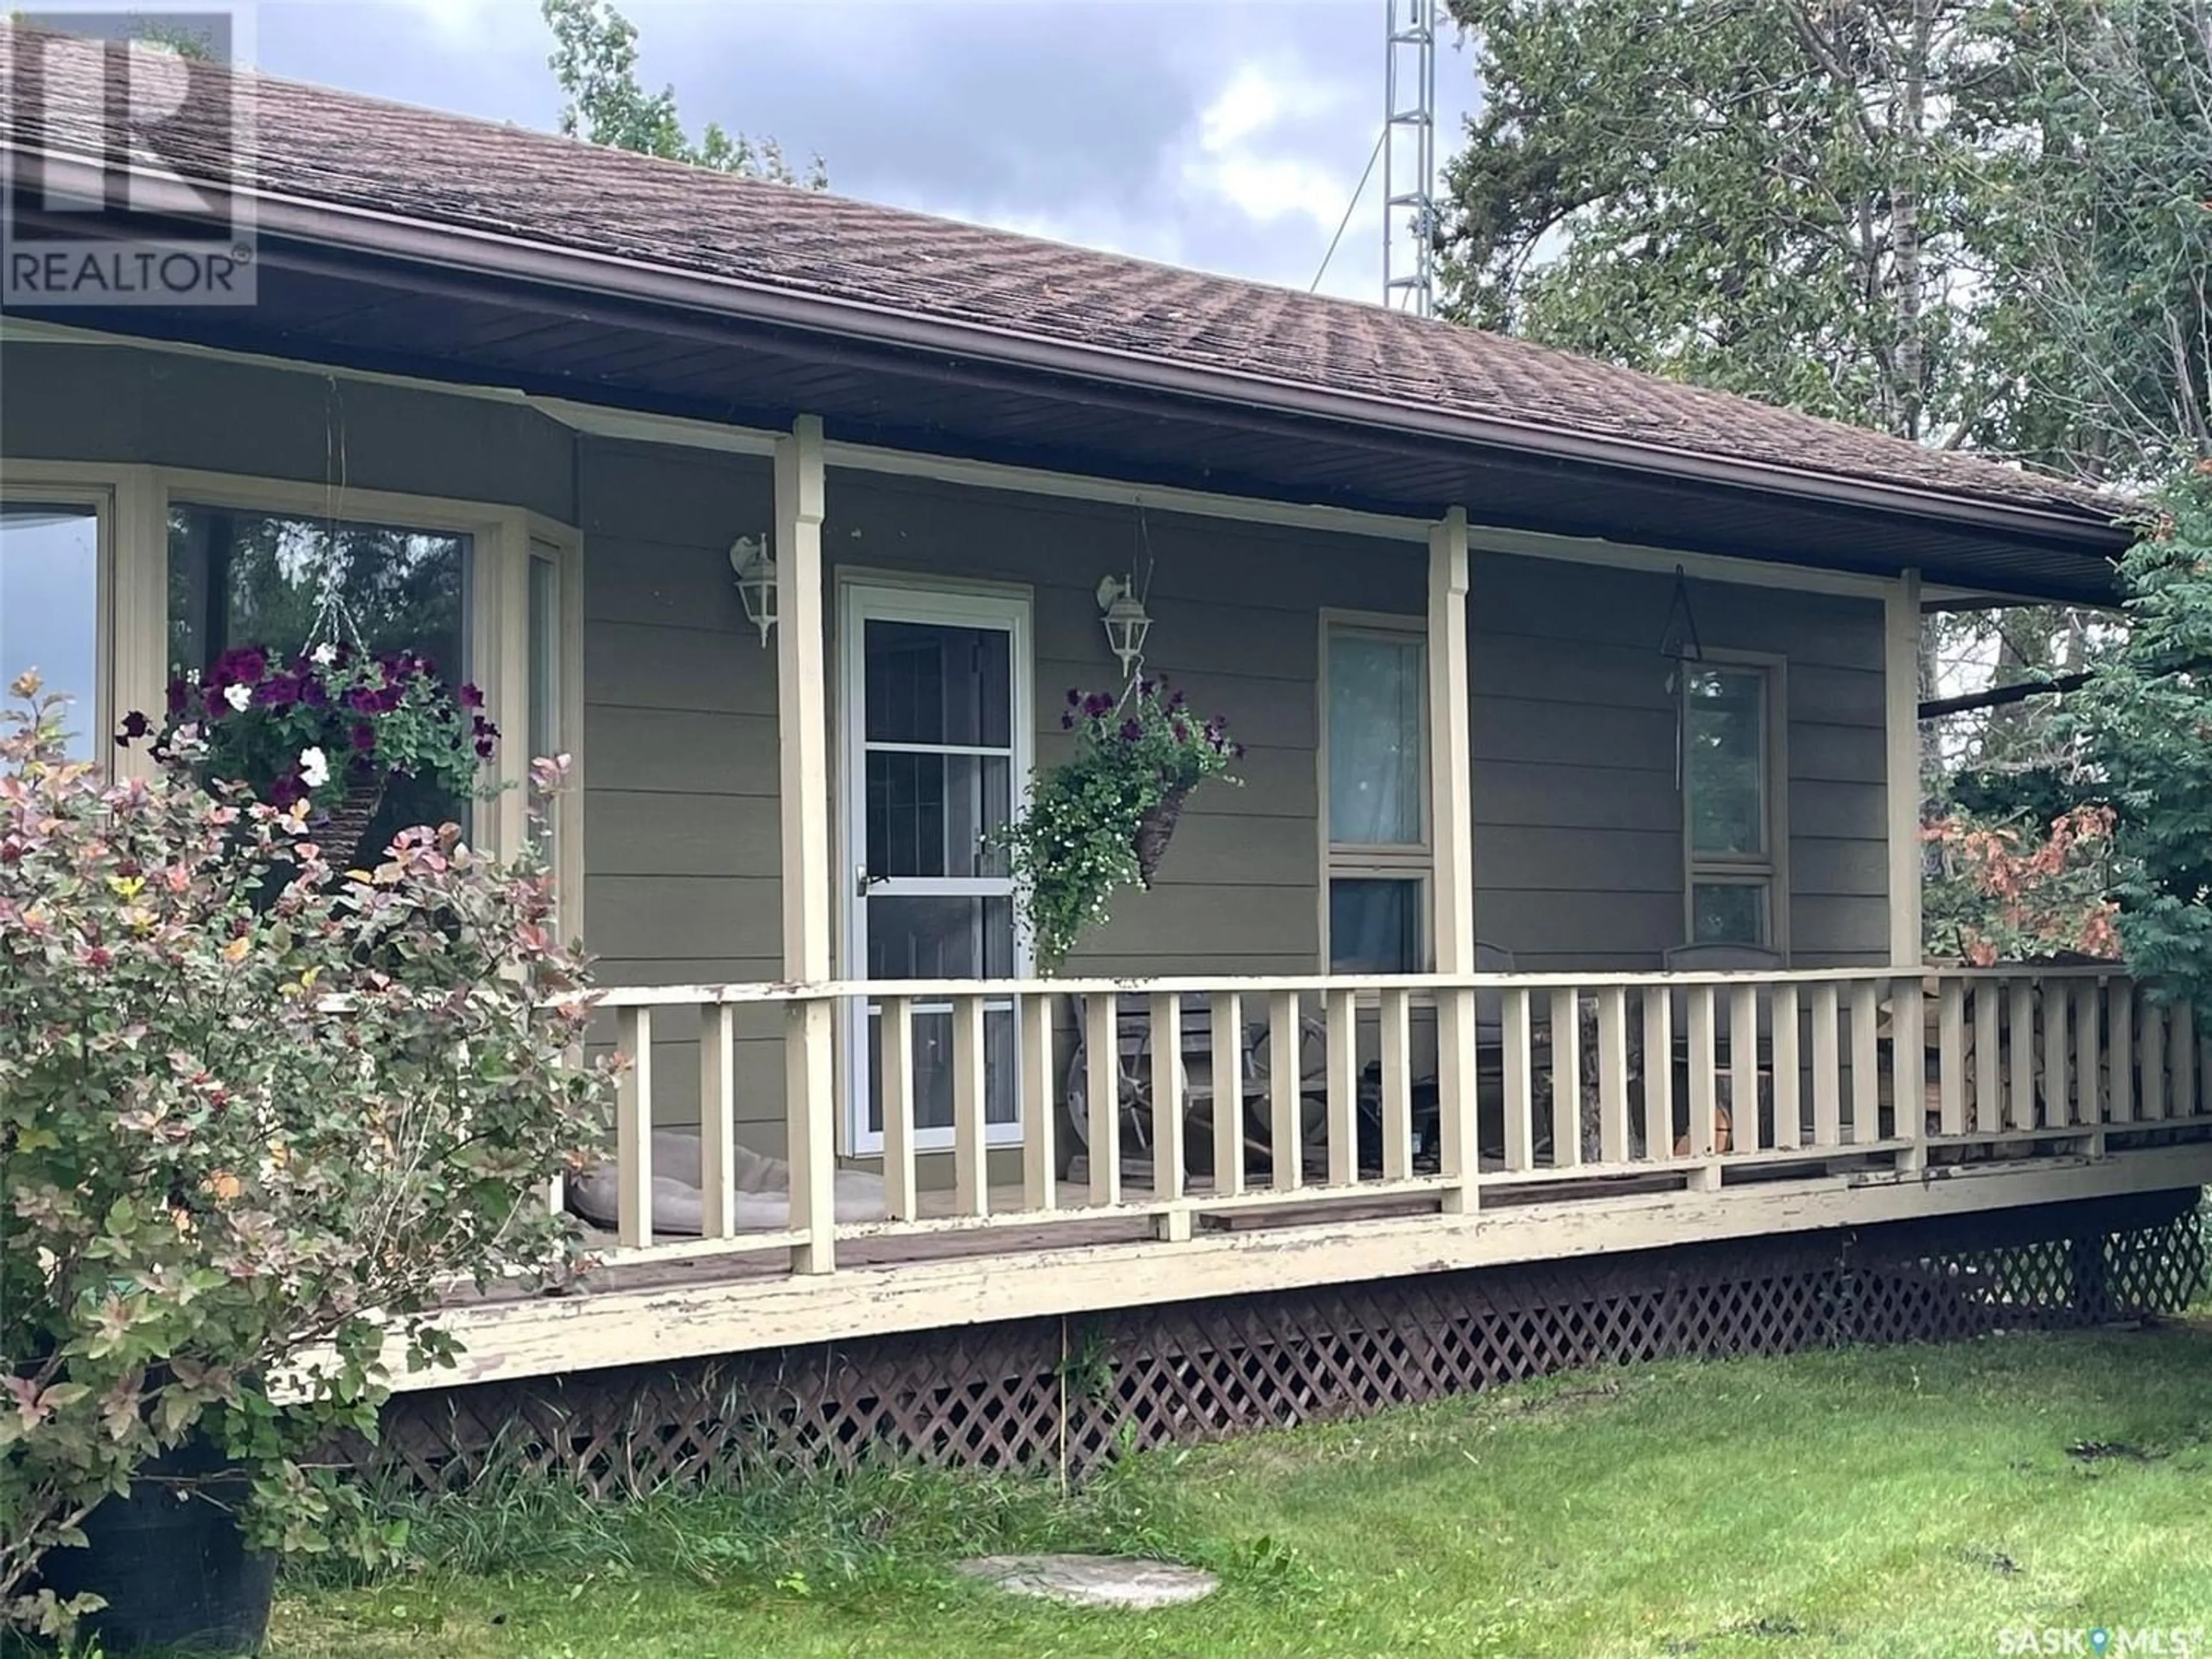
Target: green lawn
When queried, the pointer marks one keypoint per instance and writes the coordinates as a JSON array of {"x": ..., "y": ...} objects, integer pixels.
[{"x": 1883, "y": 1502}]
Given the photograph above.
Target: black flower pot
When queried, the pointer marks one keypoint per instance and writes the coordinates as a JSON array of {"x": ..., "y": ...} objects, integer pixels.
[{"x": 171, "y": 1561}]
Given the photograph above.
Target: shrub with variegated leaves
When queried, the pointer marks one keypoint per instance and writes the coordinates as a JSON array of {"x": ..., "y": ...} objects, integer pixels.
[{"x": 256, "y": 1118}]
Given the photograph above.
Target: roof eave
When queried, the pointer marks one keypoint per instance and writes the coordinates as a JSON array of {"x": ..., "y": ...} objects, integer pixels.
[{"x": 401, "y": 238}]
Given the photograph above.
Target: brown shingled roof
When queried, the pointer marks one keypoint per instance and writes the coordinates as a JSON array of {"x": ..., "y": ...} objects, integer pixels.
[{"x": 334, "y": 149}]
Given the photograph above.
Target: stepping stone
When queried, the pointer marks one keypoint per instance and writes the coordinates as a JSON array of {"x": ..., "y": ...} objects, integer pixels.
[{"x": 1094, "y": 1581}]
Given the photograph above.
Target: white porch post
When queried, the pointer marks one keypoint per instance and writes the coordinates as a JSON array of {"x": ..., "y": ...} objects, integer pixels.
[
  {"x": 139, "y": 574},
  {"x": 1901, "y": 688},
  {"x": 1901, "y": 684},
  {"x": 1451, "y": 808},
  {"x": 803, "y": 737}
]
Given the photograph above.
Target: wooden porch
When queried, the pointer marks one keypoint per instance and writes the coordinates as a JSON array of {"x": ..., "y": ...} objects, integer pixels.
[{"x": 1789, "y": 1102}]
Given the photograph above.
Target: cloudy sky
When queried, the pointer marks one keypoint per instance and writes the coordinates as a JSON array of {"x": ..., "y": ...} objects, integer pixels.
[{"x": 1224, "y": 134}]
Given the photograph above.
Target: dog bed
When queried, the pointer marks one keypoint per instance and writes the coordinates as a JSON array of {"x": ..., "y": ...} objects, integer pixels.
[{"x": 763, "y": 1194}]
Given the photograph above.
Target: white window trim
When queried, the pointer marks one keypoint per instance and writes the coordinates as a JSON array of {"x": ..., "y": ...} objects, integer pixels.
[
  {"x": 533, "y": 537},
  {"x": 919, "y": 597},
  {"x": 114, "y": 494},
  {"x": 1351, "y": 860},
  {"x": 134, "y": 610},
  {"x": 1770, "y": 871}
]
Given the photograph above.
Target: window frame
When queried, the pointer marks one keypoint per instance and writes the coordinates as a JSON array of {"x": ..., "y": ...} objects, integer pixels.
[
  {"x": 133, "y": 608},
  {"x": 525, "y": 537},
  {"x": 100, "y": 490},
  {"x": 1412, "y": 862},
  {"x": 1769, "y": 870}
]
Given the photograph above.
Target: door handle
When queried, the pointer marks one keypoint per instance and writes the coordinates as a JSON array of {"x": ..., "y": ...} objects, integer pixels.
[{"x": 862, "y": 880}]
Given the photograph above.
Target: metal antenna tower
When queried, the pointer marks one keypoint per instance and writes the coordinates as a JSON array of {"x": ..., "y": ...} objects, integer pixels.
[{"x": 1409, "y": 156}]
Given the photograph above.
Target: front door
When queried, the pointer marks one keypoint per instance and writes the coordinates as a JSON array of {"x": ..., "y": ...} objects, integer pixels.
[{"x": 936, "y": 716}]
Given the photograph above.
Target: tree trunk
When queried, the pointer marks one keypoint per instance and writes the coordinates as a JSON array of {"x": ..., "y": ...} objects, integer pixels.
[{"x": 1904, "y": 221}]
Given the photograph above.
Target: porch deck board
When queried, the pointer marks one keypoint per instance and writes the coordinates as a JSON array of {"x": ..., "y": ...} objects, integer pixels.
[
  {"x": 672, "y": 1307},
  {"x": 1074, "y": 1229}
]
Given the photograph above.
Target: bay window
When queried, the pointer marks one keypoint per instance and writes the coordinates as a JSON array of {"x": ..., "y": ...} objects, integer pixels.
[
  {"x": 50, "y": 607},
  {"x": 115, "y": 580},
  {"x": 284, "y": 582},
  {"x": 545, "y": 717}
]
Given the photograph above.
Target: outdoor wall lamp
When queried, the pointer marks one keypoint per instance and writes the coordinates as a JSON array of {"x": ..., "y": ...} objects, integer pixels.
[
  {"x": 756, "y": 570},
  {"x": 1125, "y": 621}
]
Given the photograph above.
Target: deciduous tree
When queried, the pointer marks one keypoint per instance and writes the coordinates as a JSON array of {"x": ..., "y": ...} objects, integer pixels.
[
  {"x": 1774, "y": 196},
  {"x": 595, "y": 60}
]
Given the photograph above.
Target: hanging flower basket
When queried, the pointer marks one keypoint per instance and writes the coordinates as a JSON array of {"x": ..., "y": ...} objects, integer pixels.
[
  {"x": 327, "y": 731},
  {"x": 346, "y": 824},
  {"x": 1102, "y": 819},
  {"x": 1155, "y": 829}
]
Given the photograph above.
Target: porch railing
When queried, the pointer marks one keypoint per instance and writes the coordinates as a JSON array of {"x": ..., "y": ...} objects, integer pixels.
[{"x": 1183, "y": 1102}]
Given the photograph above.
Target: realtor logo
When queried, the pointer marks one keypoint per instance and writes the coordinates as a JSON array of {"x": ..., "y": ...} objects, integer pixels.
[{"x": 124, "y": 134}]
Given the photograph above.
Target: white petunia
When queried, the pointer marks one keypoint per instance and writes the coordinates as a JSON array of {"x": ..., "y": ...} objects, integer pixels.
[
  {"x": 314, "y": 767},
  {"x": 238, "y": 696},
  {"x": 324, "y": 654}
]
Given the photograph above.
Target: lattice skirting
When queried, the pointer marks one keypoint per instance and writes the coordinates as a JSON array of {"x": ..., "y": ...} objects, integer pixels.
[{"x": 1039, "y": 1391}]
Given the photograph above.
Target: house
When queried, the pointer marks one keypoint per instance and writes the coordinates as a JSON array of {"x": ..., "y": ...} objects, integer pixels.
[{"x": 1560, "y": 950}]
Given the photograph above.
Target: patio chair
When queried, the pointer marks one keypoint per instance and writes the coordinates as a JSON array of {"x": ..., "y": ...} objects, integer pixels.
[
  {"x": 1490, "y": 1085},
  {"x": 1490, "y": 1005},
  {"x": 1721, "y": 960}
]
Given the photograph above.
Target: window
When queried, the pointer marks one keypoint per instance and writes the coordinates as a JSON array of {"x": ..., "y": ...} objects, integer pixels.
[
  {"x": 1374, "y": 687},
  {"x": 50, "y": 608},
  {"x": 543, "y": 723},
  {"x": 1729, "y": 730},
  {"x": 240, "y": 577}
]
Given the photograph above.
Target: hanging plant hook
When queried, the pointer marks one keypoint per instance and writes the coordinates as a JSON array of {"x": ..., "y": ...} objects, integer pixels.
[
  {"x": 1677, "y": 640},
  {"x": 334, "y": 621}
]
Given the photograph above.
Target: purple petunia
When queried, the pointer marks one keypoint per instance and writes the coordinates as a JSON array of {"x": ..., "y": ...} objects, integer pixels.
[
  {"x": 279, "y": 691},
  {"x": 1132, "y": 730},
  {"x": 469, "y": 698},
  {"x": 1074, "y": 698},
  {"x": 180, "y": 694},
  {"x": 364, "y": 738},
  {"x": 135, "y": 725},
  {"x": 1067, "y": 722}
]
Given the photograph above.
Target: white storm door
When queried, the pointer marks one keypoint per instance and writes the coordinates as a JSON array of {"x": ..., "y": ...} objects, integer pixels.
[{"x": 936, "y": 716}]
